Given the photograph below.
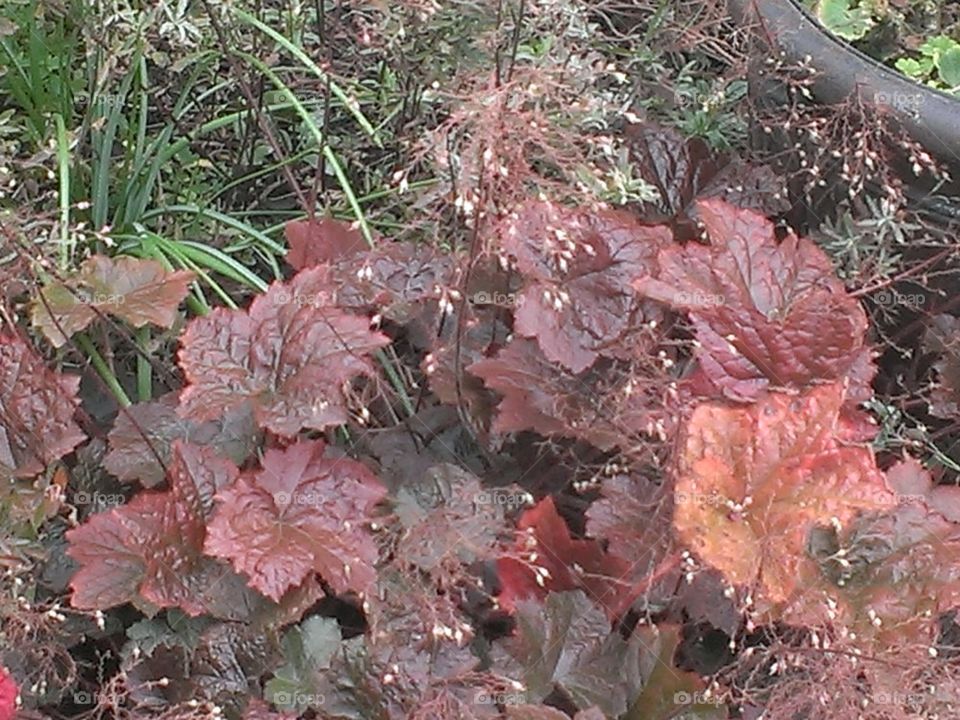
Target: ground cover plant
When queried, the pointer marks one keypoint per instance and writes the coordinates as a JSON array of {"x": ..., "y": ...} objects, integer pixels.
[
  {"x": 464, "y": 360},
  {"x": 920, "y": 39}
]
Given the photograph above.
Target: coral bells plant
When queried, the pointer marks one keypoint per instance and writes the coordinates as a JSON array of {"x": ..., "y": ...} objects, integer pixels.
[{"x": 598, "y": 470}]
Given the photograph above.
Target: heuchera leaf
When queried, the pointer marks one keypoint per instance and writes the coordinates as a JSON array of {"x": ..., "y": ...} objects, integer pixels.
[
  {"x": 578, "y": 301},
  {"x": 899, "y": 573},
  {"x": 8, "y": 695},
  {"x": 567, "y": 644},
  {"x": 290, "y": 356},
  {"x": 914, "y": 484},
  {"x": 135, "y": 290},
  {"x": 765, "y": 314},
  {"x": 544, "y": 541},
  {"x": 668, "y": 691},
  {"x": 684, "y": 169},
  {"x": 449, "y": 518},
  {"x": 393, "y": 279},
  {"x": 36, "y": 410},
  {"x": 318, "y": 241},
  {"x": 389, "y": 278},
  {"x": 152, "y": 547},
  {"x": 131, "y": 456},
  {"x": 754, "y": 481},
  {"x": 308, "y": 650},
  {"x": 416, "y": 661},
  {"x": 304, "y": 512},
  {"x": 601, "y": 405},
  {"x": 633, "y": 518}
]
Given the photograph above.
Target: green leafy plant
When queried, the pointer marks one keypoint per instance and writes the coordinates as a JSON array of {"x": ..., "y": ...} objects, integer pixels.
[{"x": 938, "y": 64}]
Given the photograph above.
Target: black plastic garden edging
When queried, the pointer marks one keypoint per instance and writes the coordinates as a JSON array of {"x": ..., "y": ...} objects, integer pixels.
[{"x": 928, "y": 115}]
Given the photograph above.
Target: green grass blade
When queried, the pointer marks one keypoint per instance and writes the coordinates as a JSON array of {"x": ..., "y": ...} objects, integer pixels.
[
  {"x": 349, "y": 103},
  {"x": 63, "y": 164},
  {"x": 321, "y": 143}
]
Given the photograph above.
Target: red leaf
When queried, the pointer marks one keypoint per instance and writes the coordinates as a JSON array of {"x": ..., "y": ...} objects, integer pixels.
[
  {"x": 578, "y": 302},
  {"x": 318, "y": 241},
  {"x": 393, "y": 279},
  {"x": 132, "y": 458},
  {"x": 302, "y": 513},
  {"x": 36, "y": 410},
  {"x": 604, "y": 406},
  {"x": 913, "y": 484},
  {"x": 755, "y": 480},
  {"x": 764, "y": 314},
  {"x": 899, "y": 573},
  {"x": 152, "y": 547},
  {"x": 544, "y": 541},
  {"x": 8, "y": 695},
  {"x": 633, "y": 518},
  {"x": 138, "y": 291},
  {"x": 289, "y": 355},
  {"x": 684, "y": 169}
]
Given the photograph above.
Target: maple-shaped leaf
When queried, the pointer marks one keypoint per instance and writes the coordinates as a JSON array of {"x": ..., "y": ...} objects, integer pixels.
[
  {"x": 289, "y": 355},
  {"x": 415, "y": 662},
  {"x": 668, "y": 691},
  {"x": 566, "y": 645},
  {"x": 138, "y": 291},
  {"x": 765, "y": 314},
  {"x": 394, "y": 280},
  {"x": 321, "y": 240},
  {"x": 686, "y": 169},
  {"x": 223, "y": 668},
  {"x": 134, "y": 457},
  {"x": 308, "y": 650},
  {"x": 449, "y": 517},
  {"x": 36, "y": 410},
  {"x": 898, "y": 574},
  {"x": 633, "y": 518},
  {"x": 604, "y": 406},
  {"x": 913, "y": 484},
  {"x": 303, "y": 512},
  {"x": 152, "y": 547},
  {"x": 755, "y": 480},
  {"x": 578, "y": 301},
  {"x": 544, "y": 544},
  {"x": 390, "y": 278},
  {"x": 8, "y": 695}
]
